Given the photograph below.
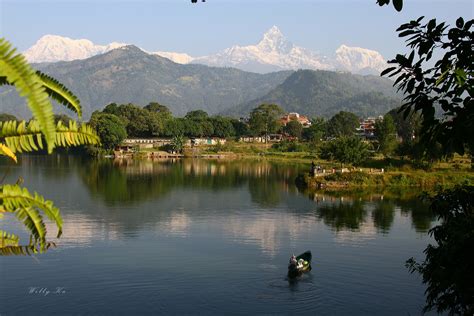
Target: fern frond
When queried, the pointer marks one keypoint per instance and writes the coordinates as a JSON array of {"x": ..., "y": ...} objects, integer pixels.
[
  {"x": 15, "y": 70},
  {"x": 26, "y": 207},
  {"x": 57, "y": 91},
  {"x": 24, "y": 250},
  {"x": 8, "y": 239},
  {"x": 22, "y": 137},
  {"x": 5, "y": 151}
]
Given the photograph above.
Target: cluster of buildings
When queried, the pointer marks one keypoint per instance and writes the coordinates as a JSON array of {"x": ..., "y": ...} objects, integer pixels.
[
  {"x": 366, "y": 130},
  {"x": 366, "y": 127}
]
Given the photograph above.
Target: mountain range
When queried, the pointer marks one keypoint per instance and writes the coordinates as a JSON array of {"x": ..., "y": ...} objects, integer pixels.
[
  {"x": 129, "y": 75},
  {"x": 273, "y": 53}
]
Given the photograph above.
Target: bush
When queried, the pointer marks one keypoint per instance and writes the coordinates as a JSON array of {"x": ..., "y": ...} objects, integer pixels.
[{"x": 289, "y": 146}]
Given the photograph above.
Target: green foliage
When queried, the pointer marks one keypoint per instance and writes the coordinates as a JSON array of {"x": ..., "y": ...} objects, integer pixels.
[
  {"x": 163, "y": 110},
  {"x": 27, "y": 207},
  {"x": 289, "y": 146},
  {"x": 294, "y": 129},
  {"x": 316, "y": 131},
  {"x": 110, "y": 129},
  {"x": 386, "y": 134},
  {"x": 223, "y": 127},
  {"x": 22, "y": 137},
  {"x": 27, "y": 137},
  {"x": 177, "y": 143},
  {"x": 408, "y": 127},
  {"x": 14, "y": 70},
  {"x": 447, "y": 85},
  {"x": 342, "y": 124},
  {"x": 447, "y": 269},
  {"x": 346, "y": 150},
  {"x": 58, "y": 92},
  {"x": 264, "y": 119}
]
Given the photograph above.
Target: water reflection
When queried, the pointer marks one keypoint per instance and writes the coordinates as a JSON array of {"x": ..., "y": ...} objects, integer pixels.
[{"x": 171, "y": 194}]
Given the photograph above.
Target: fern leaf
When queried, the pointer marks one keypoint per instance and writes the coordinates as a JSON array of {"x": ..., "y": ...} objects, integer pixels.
[
  {"x": 20, "y": 137},
  {"x": 26, "y": 207},
  {"x": 4, "y": 150},
  {"x": 8, "y": 239},
  {"x": 57, "y": 91},
  {"x": 15, "y": 70}
]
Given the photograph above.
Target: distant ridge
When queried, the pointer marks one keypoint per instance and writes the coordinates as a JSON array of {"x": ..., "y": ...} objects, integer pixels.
[{"x": 273, "y": 53}]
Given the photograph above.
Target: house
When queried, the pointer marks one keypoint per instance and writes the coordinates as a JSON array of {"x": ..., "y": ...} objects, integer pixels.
[
  {"x": 293, "y": 116},
  {"x": 366, "y": 127}
]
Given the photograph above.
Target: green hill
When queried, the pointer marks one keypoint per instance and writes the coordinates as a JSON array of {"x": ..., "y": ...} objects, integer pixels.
[
  {"x": 324, "y": 93},
  {"x": 129, "y": 75}
]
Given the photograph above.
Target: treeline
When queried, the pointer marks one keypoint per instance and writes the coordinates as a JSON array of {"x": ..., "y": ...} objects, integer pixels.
[{"x": 333, "y": 139}]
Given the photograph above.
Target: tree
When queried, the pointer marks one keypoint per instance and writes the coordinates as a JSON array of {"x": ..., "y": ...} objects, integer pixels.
[
  {"x": 264, "y": 119},
  {"x": 110, "y": 129},
  {"x": 136, "y": 119},
  {"x": 294, "y": 129},
  {"x": 158, "y": 108},
  {"x": 386, "y": 134},
  {"x": 448, "y": 85},
  {"x": 408, "y": 128},
  {"x": 174, "y": 127},
  {"x": 222, "y": 127},
  {"x": 240, "y": 128},
  {"x": 316, "y": 131},
  {"x": 17, "y": 137},
  {"x": 177, "y": 143},
  {"x": 196, "y": 115},
  {"x": 343, "y": 124},
  {"x": 346, "y": 150},
  {"x": 447, "y": 269}
]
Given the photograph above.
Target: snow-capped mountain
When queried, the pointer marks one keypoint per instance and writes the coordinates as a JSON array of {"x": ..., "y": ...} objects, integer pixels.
[
  {"x": 52, "y": 48},
  {"x": 274, "y": 52},
  {"x": 359, "y": 60},
  {"x": 179, "y": 58}
]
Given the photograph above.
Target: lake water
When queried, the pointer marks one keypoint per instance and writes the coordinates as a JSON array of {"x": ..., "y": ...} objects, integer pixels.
[{"x": 211, "y": 237}]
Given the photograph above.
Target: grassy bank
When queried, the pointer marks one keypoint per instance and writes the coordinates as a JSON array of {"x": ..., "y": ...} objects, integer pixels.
[{"x": 392, "y": 179}]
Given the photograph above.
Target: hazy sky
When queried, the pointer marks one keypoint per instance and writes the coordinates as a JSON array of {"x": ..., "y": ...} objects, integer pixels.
[{"x": 204, "y": 28}]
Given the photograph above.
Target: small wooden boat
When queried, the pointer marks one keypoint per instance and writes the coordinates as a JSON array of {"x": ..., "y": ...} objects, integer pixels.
[{"x": 299, "y": 265}]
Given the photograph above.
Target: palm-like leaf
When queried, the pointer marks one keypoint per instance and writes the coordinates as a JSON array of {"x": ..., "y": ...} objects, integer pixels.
[
  {"x": 28, "y": 208},
  {"x": 23, "y": 137},
  {"x": 15, "y": 70},
  {"x": 6, "y": 151},
  {"x": 60, "y": 93}
]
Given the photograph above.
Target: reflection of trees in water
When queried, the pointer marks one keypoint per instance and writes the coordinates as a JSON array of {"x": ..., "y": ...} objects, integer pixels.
[
  {"x": 128, "y": 181},
  {"x": 346, "y": 210},
  {"x": 421, "y": 216},
  {"x": 383, "y": 215},
  {"x": 342, "y": 215}
]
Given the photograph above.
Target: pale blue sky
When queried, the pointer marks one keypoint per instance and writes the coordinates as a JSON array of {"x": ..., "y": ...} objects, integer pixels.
[{"x": 205, "y": 28}]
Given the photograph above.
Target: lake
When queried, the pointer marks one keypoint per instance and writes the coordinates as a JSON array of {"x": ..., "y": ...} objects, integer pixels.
[{"x": 211, "y": 237}]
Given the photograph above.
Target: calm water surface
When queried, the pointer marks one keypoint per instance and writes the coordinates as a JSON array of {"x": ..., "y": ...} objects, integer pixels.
[{"x": 211, "y": 237}]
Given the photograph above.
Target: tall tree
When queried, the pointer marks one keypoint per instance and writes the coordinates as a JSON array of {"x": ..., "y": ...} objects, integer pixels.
[
  {"x": 110, "y": 129},
  {"x": 265, "y": 119},
  {"x": 386, "y": 134},
  {"x": 294, "y": 129},
  {"x": 343, "y": 124}
]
